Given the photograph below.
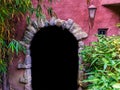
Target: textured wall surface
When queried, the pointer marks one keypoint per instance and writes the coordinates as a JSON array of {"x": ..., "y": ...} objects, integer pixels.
[
  {"x": 106, "y": 17},
  {"x": 106, "y": 2}
]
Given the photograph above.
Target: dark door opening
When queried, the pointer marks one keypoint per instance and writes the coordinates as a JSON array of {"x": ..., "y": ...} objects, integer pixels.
[
  {"x": 54, "y": 54},
  {"x": 102, "y": 31}
]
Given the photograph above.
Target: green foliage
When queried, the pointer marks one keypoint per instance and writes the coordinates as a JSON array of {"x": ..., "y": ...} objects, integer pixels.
[
  {"x": 8, "y": 50},
  {"x": 11, "y": 12},
  {"x": 102, "y": 63},
  {"x": 118, "y": 25},
  {"x": 16, "y": 47}
]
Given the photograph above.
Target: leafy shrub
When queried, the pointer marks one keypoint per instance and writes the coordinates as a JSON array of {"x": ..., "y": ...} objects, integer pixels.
[
  {"x": 8, "y": 50},
  {"x": 102, "y": 63}
]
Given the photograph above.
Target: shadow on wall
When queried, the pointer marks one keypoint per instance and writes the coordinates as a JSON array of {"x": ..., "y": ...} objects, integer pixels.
[
  {"x": 114, "y": 8},
  {"x": 54, "y": 54}
]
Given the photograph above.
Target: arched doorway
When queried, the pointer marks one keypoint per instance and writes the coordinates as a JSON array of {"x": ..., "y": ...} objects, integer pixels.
[
  {"x": 74, "y": 31},
  {"x": 54, "y": 54}
]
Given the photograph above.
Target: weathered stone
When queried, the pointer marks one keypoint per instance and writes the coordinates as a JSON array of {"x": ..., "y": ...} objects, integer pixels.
[
  {"x": 23, "y": 80},
  {"x": 24, "y": 66},
  {"x": 46, "y": 23},
  {"x": 81, "y": 75},
  {"x": 83, "y": 34},
  {"x": 31, "y": 29},
  {"x": 27, "y": 40},
  {"x": 28, "y": 59},
  {"x": 28, "y": 87},
  {"x": 52, "y": 21},
  {"x": 75, "y": 26},
  {"x": 80, "y": 60},
  {"x": 77, "y": 30},
  {"x": 59, "y": 22},
  {"x": 29, "y": 34},
  {"x": 35, "y": 25},
  {"x": 81, "y": 44},
  {"x": 28, "y": 52},
  {"x": 80, "y": 35},
  {"x": 80, "y": 49},
  {"x": 67, "y": 24},
  {"x": 26, "y": 77},
  {"x": 70, "y": 21},
  {"x": 28, "y": 46},
  {"x": 24, "y": 44},
  {"x": 40, "y": 23}
]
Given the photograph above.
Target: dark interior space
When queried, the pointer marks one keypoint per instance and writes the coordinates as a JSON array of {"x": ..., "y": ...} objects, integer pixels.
[{"x": 54, "y": 53}]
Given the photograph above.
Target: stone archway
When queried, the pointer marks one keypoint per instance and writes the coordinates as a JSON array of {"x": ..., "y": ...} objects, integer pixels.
[{"x": 32, "y": 28}]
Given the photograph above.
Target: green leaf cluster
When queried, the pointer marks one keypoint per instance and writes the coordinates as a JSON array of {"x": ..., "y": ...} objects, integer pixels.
[
  {"x": 8, "y": 50},
  {"x": 12, "y": 12},
  {"x": 102, "y": 63}
]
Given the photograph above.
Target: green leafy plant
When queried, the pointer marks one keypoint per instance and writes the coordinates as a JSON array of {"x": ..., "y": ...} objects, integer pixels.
[
  {"x": 102, "y": 64},
  {"x": 16, "y": 47},
  {"x": 11, "y": 12},
  {"x": 118, "y": 25},
  {"x": 7, "y": 51}
]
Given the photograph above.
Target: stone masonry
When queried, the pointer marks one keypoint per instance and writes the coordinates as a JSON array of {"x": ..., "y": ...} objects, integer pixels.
[{"x": 32, "y": 28}]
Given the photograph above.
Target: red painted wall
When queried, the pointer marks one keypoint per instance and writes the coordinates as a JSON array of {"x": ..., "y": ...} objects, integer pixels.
[
  {"x": 106, "y": 2},
  {"x": 106, "y": 17}
]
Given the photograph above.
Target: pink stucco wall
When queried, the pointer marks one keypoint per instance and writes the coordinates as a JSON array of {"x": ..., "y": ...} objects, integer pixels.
[
  {"x": 106, "y": 2},
  {"x": 106, "y": 17}
]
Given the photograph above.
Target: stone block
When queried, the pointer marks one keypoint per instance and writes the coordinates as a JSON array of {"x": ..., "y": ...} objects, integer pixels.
[
  {"x": 41, "y": 23},
  {"x": 28, "y": 51},
  {"x": 26, "y": 79},
  {"x": 27, "y": 59},
  {"x": 74, "y": 26},
  {"x": 77, "y": 30},
  {"x": 29, "y": 34},
  {"x": 26, "y": 40},
  {"x": 52, "y": 21},
  {"x": 23, "y": 80},
  {"x": 80, "y": 49},
  {"x": 24, "y": 44},
  {"x": 70, "y": 21},
  {"x": 35, "y": 24},
  {"x": 31, "y": 29},
  {"x": 28, "y": 87},
  {"x": 24, "y": 66},
  {"x": 67, "y": 24},
  {"x": 59, "y": 22},
  {"x": 81, "y": 35},
  {"x": 81, "y": 44},
  {"x": 80, "y": 60},
  {"x": 46, "y": 23}
]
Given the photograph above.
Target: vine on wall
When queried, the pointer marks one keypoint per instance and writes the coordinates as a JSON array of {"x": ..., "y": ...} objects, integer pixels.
[{"x": 11, "y": 12}]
